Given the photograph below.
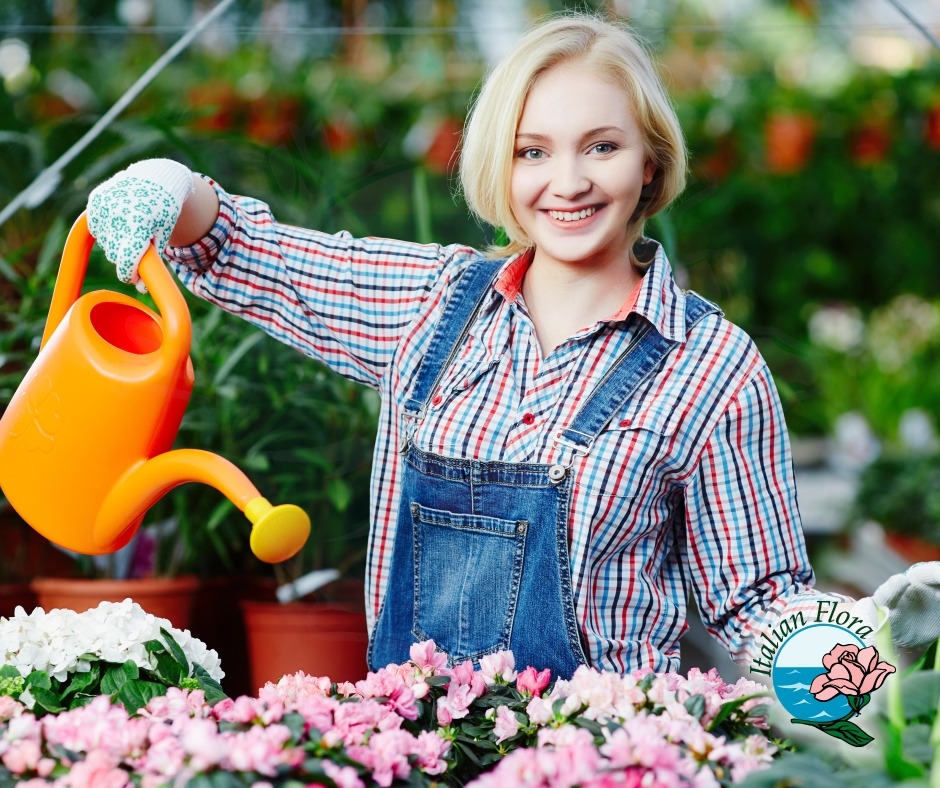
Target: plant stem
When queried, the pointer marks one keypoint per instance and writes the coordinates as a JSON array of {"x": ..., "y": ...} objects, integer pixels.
[
  {"x": 935, "y": 732},
  {"x": 894, "y": 704}
]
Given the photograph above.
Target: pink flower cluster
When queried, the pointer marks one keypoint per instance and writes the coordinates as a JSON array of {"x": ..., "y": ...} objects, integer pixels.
[
  {"x": 411, "y": 722},
  {"x": 646, "y": 750},
  {"x": 179, "y": 735}
]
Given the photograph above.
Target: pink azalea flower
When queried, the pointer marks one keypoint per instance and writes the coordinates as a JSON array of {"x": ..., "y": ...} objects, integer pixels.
[
  {"x": 539, "y": 711},
  {"x": 163, "y": 760},
  {"x": 201, "y": 740},
  {"x": 317, "y": 711},
  {"x": 292, "y": 687},
  {"x": 531, "y": 683},
  {"x": 426, "y": 657},
  {"x": 261, "y": 750},
  {"x": 498, "y": 668},
  {"x": 431, "y": 752},
  {"x": 455, "y": 704},
  {"x": 97, "y": 770},
  {"x": 23, "y": 755},
  {"x": 390, "y": 686},
  {"x": 343, "y": 776},
  {"x": 177, "y": 703},
  {"x": 386, "y": 756},
  {"x": 243, "y": 709},
  {"x": 507, "y": 725},
  {"x": 10, "y": 708},
  {"x": 465, "y": 674}
]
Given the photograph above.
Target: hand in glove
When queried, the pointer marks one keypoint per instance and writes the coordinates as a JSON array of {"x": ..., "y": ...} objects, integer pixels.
[
  {"x": 911, "y": 601},
  {"x": 135, "y": 207}
]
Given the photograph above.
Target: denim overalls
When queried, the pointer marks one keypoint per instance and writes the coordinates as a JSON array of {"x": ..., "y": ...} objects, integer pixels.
[{"x": 480, "y": 559}]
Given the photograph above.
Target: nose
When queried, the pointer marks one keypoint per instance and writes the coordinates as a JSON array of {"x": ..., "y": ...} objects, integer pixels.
[{"x": 570, "y": 178}]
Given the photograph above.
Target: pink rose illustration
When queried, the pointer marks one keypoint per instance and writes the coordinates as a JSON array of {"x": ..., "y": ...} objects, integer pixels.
[{"x": 851, "y": 672}]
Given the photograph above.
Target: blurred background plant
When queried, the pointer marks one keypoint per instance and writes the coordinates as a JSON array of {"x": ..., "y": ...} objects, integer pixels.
[{"x": 811, "y": 214}]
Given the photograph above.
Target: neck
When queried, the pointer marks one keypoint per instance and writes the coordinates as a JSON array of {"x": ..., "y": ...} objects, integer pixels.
[{"x": 562, "y": 300}]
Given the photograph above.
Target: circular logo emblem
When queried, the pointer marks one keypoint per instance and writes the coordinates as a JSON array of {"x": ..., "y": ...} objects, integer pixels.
[{"x": 799, "y": 662}]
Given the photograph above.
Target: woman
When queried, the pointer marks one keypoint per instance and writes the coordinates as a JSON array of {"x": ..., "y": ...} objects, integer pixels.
[{"x": 568, "y": 441}]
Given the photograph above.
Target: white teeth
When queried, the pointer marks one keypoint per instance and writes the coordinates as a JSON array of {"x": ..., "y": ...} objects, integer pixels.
[{"x": 571, "y": 216}]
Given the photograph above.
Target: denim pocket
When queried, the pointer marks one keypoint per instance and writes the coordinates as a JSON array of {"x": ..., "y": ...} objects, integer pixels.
[{"x": 468, "y": 568}]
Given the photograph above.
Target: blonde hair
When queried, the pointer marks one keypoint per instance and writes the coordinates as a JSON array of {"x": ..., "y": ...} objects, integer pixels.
[{"x": 616, "y": 52}]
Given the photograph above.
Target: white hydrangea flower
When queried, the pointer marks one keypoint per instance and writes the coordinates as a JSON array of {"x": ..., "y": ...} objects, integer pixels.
[{"x": 54, "y": 641}]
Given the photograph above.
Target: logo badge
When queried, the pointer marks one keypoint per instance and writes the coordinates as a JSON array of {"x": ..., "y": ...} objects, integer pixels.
[{"x": 823, "y": 674}]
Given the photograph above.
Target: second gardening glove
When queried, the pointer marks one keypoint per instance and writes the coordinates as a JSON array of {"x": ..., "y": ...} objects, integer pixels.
[
  {"x": 911, "y": 601},
  {"x": 136, "y": 207}
]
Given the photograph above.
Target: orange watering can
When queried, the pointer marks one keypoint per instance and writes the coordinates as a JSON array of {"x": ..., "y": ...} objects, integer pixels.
[{"x": 85, "y": 441}]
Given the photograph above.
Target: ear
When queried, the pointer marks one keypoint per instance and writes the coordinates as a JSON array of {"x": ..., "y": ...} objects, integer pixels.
[{"x": 649, "y": 170}]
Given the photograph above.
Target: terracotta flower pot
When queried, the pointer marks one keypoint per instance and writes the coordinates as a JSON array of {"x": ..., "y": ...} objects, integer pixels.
[
  {"x": 319, "y": 639},
  {"x": 164, "y": 597}
]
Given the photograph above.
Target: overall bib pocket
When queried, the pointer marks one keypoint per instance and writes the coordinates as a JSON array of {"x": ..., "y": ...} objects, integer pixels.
[{"x": 468, "y": 569}]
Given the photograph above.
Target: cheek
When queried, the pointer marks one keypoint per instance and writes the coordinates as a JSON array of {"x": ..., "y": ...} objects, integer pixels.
[{"x": 523, "y": 188}]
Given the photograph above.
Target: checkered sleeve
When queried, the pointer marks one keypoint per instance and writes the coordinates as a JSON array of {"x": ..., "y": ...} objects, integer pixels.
[
  {"x": 747, "y": 555},
  {"x": 344, "y": 301}
]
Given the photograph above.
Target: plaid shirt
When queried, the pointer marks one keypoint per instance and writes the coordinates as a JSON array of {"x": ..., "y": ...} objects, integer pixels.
[{"x": 689, "y": 487}]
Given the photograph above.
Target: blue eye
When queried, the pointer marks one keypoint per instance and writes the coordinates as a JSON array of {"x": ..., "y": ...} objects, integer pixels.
[
  {"x": 532, "y": 154},
  {"x": 604, "y": 147}
]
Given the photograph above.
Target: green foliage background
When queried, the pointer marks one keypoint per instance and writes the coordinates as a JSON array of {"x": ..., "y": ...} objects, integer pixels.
[{"x": 323, "y": 127}]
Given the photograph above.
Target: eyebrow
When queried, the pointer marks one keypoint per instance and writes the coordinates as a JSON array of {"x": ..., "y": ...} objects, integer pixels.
[{"x": 591, "y": 133}]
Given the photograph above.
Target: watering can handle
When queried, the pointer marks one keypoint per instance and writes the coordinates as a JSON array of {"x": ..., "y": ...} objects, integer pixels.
[{"x": 177, "y": 328}]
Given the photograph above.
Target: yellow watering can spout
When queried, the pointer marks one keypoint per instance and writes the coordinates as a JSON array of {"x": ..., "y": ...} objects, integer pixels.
[{"x": 98, "y": 411}]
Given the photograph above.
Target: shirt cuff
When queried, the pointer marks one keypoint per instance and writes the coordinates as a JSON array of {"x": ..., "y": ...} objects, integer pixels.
[{"x": 202, "y": 254}]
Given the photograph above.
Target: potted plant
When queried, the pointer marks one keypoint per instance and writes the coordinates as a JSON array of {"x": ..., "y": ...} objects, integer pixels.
[
  {"x": 305, "y": 433},
  {"x": 900, "y": 491}
]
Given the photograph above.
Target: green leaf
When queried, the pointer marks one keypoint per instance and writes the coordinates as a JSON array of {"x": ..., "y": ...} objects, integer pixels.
[
  {"x": 46, "y": 700},
  {"x": 849, "y": 732},
  {"x": 234, "y": 356},
  {"x": 591, "y": 726},
  {"x": 38, "y": 679},
  {"x": 176, "y": 651},
  {"x": 168, "y": 669},
  {"x": 916, "y": 744},
  {"x": 858, "y": 702},
  {"x": 475, "y": 731},
  {"x": 695, "y": 705},
  {"x": 339, "y": 494},
  {"x": 437, "y": 681},
  {"x": 154, "y": 646},
  {"x": 81, "y": 700},
  {"x": 83, "y": 682},
  {"x": 116, "y": 677},
  {"x": 209, "y": 685},
  {"x": 136, "y": 694},
  {"x": 8, "y": 671},
  {"x": 920, "y": 695}
]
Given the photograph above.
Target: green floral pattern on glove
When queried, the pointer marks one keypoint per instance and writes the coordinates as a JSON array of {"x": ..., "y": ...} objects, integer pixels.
[{"x": 124, "y": 215}]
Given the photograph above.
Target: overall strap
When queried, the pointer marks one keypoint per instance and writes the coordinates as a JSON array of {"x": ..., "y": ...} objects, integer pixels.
[
  {"x": 459, "y": 313},
  {"x": 642, "y": 356}
]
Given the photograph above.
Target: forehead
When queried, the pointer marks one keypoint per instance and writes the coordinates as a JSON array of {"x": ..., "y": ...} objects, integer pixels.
[{"x": 575, "y": 95}]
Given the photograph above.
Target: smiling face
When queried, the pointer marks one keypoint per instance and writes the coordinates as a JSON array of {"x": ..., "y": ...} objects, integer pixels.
[{"x": 579, "y": 165}]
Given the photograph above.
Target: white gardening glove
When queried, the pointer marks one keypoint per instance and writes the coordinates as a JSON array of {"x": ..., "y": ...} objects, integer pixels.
[
  {"x": 912, "y": 603},
  {"x": 138, "y": 206}
]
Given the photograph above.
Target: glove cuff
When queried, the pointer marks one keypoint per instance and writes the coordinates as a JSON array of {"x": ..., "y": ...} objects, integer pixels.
[{"x": 176, "y": 178}]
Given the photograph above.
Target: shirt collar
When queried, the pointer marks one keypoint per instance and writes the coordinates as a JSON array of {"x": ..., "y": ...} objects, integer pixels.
[{"x": 657, "y": 298}]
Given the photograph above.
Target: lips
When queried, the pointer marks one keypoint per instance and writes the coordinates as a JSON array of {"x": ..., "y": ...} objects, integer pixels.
[
  {"x": 572, "y": 216},
  {"x": 573, "y": 219}
]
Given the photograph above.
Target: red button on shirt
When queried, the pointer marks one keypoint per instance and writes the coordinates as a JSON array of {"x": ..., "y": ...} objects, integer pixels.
[
  {"x": 438, "y": 399},
  {"x": 626, "y": 422},
  {"x": 528, "y": 418}
]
